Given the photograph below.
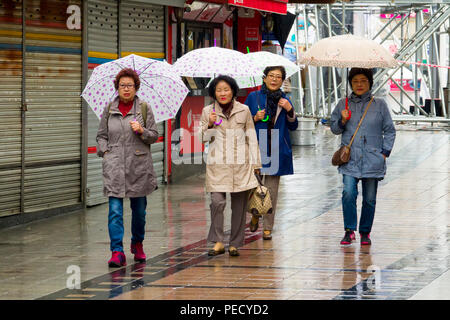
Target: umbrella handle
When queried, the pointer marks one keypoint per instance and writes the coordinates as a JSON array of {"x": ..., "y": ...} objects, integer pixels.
[
  {"x": 215, "y": 122},
  {"x": 346, "y": 108},
  {"x": 266, "y": 118},
  {"x": 135, "y": 131}
]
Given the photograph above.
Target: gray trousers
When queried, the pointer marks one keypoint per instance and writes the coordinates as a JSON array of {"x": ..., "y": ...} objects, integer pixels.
[
  {"x": 238, "y": 215},
  {"x": 272, "y": 183}
]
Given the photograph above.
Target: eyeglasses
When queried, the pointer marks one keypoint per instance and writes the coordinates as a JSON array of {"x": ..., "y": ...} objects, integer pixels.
[
  {"x": 360, "y": 82},
  {"x": 274, "y": 77},
  {"x": 123, "y": 86}
]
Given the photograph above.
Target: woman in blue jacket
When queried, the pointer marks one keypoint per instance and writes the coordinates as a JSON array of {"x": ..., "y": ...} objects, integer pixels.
[
  {"x": 372, "y": 145},
  {"x": 274, "y": 116}
]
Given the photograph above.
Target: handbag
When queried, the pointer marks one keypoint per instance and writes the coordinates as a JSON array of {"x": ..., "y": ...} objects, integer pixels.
[
  {"x": 342, "y": 155},
  {"x": 259, "y": 202}
]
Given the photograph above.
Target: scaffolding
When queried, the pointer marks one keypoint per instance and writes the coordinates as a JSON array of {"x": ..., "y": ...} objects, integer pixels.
[{"x": 418, "y": 52}]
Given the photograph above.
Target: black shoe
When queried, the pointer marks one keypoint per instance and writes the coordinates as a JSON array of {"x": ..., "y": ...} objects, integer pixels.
[
  {"x": 233, "y": 252},
  {"x": 267, "y": 235},
  {"x": 348, "y": 237},
  {"x": 365, "y": 239},
  {"x": 213, "y": 252}
]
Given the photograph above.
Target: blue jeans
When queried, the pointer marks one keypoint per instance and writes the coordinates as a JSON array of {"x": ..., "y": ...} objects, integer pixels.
[
  {"x": 115, "y": 221},
  {"x": 349, "y": 195}
]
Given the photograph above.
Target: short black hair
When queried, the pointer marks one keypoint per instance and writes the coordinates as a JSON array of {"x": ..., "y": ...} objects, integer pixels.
[
  {"x": 281, "y": 68},
  {"x": 231, "y": 82},
  {"x": 366, "y": 72}
]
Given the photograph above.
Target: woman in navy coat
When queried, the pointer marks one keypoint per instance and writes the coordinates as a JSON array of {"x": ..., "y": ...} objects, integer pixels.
[
  {"x": 372, "y": 145},
  {"x": 274, "y": 116}
]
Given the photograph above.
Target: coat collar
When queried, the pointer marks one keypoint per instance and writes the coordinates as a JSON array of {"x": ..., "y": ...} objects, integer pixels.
[
  {"x": 237, "y": 107},
  {"x": 114, "y": 107},
  {"x": 261, "y": 100},
  {"x": 364, "y": 98}
]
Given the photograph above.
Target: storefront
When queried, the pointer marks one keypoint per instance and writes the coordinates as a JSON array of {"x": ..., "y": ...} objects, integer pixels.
[
  {"x": 48, "y": 163},
  {"x": 40, "y": 109}
]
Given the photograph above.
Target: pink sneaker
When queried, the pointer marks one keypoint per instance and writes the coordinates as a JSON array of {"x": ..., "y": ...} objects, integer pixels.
[
  {"x": 117, "y": 260},
  {"x": 348, "y": 238},
  {"x": 138, "y": 251}
]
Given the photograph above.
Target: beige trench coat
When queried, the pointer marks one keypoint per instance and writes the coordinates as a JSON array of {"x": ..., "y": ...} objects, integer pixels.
[
  {"x": 233, "y": 152},
  {"x": 128, "y": 165}
]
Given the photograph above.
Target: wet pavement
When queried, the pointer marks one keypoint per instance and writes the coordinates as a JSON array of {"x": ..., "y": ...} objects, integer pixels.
[{"x": 409, "y": 257}]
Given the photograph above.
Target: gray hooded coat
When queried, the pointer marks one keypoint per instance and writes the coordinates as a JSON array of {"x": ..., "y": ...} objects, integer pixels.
[
  {"x": 128, "y": 165},
  {"x": 375, "y": 137}
]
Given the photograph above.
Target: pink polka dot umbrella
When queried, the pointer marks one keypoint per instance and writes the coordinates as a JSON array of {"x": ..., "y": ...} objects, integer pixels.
[
  {"x": 214, "y": 61},
  {"x": 161, "y": 87}
]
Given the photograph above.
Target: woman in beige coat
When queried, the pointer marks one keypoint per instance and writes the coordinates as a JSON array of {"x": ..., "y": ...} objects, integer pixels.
[
  {"x": 233, "y": 157},
  {"x": 126, "y": 130}
]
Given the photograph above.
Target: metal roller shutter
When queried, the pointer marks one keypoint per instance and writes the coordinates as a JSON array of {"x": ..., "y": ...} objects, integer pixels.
[
  {"x": 142, "y": 29},
  {"x": 10, "y": 107},
  {"x": 142, "y": 33},
  {"x": 103, "y": 47},
  {"x": 53, "y": 119}
]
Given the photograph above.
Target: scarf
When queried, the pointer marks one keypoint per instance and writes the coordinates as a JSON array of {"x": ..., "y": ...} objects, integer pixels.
[
  {"x": 273, "y": 97},
  {"x": 226, "y": 108}
]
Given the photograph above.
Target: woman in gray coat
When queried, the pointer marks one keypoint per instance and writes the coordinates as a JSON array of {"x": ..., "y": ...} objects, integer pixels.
[
  {"x": 372, "y": 145},
  {"x": 126, "y": 131}
]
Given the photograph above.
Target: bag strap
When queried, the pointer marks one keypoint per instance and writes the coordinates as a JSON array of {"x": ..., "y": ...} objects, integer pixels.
[
  {"x": 259, "y": 179},
  {"x": 360, "y": 121},
  {"x": 143, "y": 111}
]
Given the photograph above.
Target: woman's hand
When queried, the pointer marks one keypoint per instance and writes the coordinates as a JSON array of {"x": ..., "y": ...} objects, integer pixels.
[
  {"x": 212, "y": 118},
  {"x": 260, "y": 115},
  {"x": 345, "y": 114},
  {"x": 284, "y": 103},
  {"x": 136, "y": 127}
]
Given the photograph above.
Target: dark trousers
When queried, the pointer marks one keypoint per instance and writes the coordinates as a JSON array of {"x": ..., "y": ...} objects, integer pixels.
[{"x": 238, "y": 210}]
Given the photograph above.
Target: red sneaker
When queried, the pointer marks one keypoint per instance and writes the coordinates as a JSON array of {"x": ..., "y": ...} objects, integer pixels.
[
  {"x": 348, "y": 238},
  {"x": 117, "y": 260},
  {"x": 365, "y": 239},
  {"x": 138, "y": 251}
]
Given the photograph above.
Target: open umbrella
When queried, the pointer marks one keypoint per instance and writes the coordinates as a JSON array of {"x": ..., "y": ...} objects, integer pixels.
[
  {"x": 263, "y": 59},
  {"x": 213, "y": 61},
  {"x": 161, "y": 88},
  {"x": 348, "y": 51}
]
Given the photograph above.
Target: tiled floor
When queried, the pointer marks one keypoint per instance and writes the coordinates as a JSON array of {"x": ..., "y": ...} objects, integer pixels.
[{"x": 409, "y": 257}]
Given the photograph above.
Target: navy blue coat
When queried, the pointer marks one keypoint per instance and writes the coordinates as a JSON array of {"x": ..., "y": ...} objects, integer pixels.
[
  {"x": 281, "y": 142},
  {"x": 375, "y": 137}
]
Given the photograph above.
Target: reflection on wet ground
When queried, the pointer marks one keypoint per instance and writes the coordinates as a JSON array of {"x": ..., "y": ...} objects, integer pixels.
[{"x": 410, "y": 250}]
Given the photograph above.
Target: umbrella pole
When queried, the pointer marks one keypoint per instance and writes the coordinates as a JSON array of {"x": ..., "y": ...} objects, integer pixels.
[{"x": 346, "y": 85}]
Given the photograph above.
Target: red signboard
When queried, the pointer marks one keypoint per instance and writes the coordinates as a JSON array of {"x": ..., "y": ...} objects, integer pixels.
[
  {"x": 407, "y": 84},
  {"x": 274, "y": 6}
]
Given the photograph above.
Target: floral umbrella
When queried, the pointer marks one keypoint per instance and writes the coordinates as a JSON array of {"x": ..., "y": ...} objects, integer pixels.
[
  {"x": 161, "y": 88},
  {"x": 263, "y": 59},
  {"x": 213, "y": 61}
]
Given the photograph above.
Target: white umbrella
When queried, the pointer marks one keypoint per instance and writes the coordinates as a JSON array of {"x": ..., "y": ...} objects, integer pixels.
[
  {"x": 263, "y": 59},
  {"x": 160, "y": 88},
  {"x": 214, "y": 61},
  {"x": 347, "y": 51}
]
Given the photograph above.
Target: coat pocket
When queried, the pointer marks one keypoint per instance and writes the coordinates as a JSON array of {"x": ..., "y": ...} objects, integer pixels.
[
  {"x": 375, "y": 161},
  {"x": 139, "y": 166}
]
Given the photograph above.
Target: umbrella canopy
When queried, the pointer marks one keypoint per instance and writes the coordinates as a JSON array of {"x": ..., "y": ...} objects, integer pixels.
[
  {"x": 348, "y": 51},
  {"x": 214, "y": 61},
  {"x": 161, "y": 88},
  {"x": 263, "y": 59}
]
